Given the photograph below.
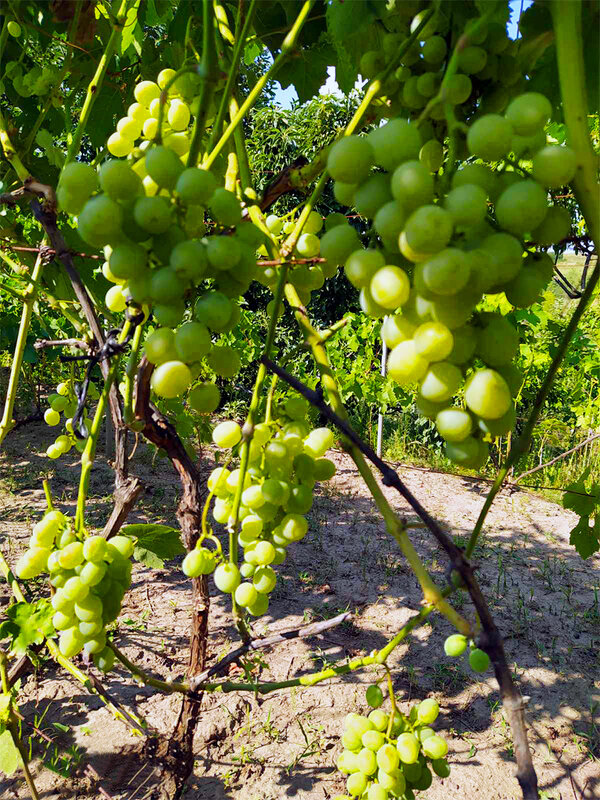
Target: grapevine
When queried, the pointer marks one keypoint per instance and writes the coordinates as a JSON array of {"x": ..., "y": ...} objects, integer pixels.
[{"x": 437, "y": 206}]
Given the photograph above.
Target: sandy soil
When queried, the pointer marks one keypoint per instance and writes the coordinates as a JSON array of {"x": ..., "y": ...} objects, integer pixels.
[{"x": 544, "y": 597}]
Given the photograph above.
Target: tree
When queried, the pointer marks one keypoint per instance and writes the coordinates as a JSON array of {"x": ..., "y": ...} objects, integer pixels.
[{"x": 445, "y": 159}]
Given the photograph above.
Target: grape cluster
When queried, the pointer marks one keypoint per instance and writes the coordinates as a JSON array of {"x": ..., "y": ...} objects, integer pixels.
[
  {"x": 456, "y": 644},
  {"x": 441, "y": 252},
  {"x": 64, "y": 401},
  {"x": 90, "y": 575},
  {"x": 388, "y": 756},
  {"x": 285, "y": 462},
  {"x": 148, "y": 215}
]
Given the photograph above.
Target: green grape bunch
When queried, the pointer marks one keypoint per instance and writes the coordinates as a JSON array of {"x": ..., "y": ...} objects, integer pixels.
[
  {"x": 438, "y": 252},
  {"x": 391, "y": 755},
  {"x": 286, "y": 460},
  {"x": 90, "y": 576}
]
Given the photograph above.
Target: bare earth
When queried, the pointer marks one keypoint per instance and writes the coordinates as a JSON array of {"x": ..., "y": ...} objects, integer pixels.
[{"x": 544, "y": 597}]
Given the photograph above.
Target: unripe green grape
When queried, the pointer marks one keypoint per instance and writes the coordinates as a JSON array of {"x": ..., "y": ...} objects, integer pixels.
[
  {"x": 554, "y": 166},
  {"x": 166, "y": 287},
  {"x": 260, "y": 606},
  {"x": 163, "y": 166},
  {"x": 525, "y": 289},
  {"x": 225, "y": 361},
  {"x": 160, "y": 346},
  {"x": 458, "y": 89},
  {"x": 434, "y": 50},
  {"x": 465, "y": 453},
  {"x": 356, "y": 784},
  {"x": 152, "y": 214},
  {"x": 350, "y": 159},
  {"x": 51, "y": 417},
  {"x": 264, "y": 580},
  {"x": 171, "y": 379},
  {"x": 372, "y": 194},
  {"x": 446, "y": 273},
  {"x": 487, "y": 394},
  {"x": 408, "y": 747},
  {"x": 433, "y": 341},
  {"x": 129, "y": 128},
  {"x": 555, "y": 227},
  {"x": 119, "y": 145},
  {"x": 395, "y": 329},
  {"x": 318, "y": 442},
  {"x": 324, "y": 469},
  {"x": 431, "y": 155},
  {"x": 308, "y": 245},
  {"x": 145, "y": 92},
  {"x": 428, "y": 84},
  {"x": 440, "y": 767},
  {"x": 169, "y": 315},
  {"x": 411, "y": 96},
  {"x": 472, "y": 59},
  {"x": 71, "y": 555},
  {"x": 88, "y": 608},
  {"x": 214, "y": 309},
  {"x": 440, "y": 382},
  {"x": 479, "y": 661},
  {"x": 412, "y": 185},
  {"x": 92, "y": 573},
  {"x": 192, "y": 342},
  {"x": 489, "y": 137},
  {"x": 361, "y": 265},
  {"x": 528, "y": 113},
  {"x": 178, "y": 115},
  {"x": 105, "y": 659},
  {"x": 475, "y": 174},
  {"x": 346, "y": 762},
  {"x": 75, "y": 590},
  {"x": 100, "y": 221},
  {"x": 344, "y": 192},
  {"x": 498, "y": 341},
  {"x": 227, "y": 434},
  {"x": 390, "y": 287},
  {"x": 521, "y": 207},
  {"x": 405, "y": 365},
  {"x": 204, "y": 398},
  {"x": 14, "y": 28},
  {"x": 454, "y": 424},
  {"x": 150, "y": 128},
  {"x": 124, "y": 545},
  {"x": 505, "y": 252},
  {"x": 138, "y": 112},
  {"x": 225, "y": 207},
  {"x": 467, "y": 205},
  {"x": 501, "y": 426},
  {"x": 70, "y": 642},
  {"x": 428, "y": 711},
  {"x": 428, "y": 229},
  {"x": 128, "y": 260},
  {"x": 366, "y": 760},
  {"x": 195, "y": 186},
  {"x": 95, "y": 644},
  {"x": 246, "y": 595},
  {"x": 455, "y": 645},
  {"x": 314, "y": 223}
]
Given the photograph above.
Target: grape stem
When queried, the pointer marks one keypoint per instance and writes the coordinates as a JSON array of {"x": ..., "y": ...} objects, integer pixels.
[
  {"x": 29, "y": 298},
  {"x": 87, "y": 457},
  {"x": 95, "y": 84},
  {"x": 287, "y": 47}
]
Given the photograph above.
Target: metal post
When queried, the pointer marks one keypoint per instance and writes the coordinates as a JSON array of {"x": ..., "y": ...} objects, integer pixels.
[{"x": 384, "y": 351}]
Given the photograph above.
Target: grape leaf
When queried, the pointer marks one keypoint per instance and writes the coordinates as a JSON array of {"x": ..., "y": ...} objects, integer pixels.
[
  {"x": 130, "y": 27},
  {"x": 155, "y": 543},
  {"x": 585, "y": 538},
  {"x": 307, "y": 71},
  {"x": 10, "y": 760},
  {"x": 27, "y": 624},
  {"x": 578, "y": 499},
  {"x": 351, "y": 32}
]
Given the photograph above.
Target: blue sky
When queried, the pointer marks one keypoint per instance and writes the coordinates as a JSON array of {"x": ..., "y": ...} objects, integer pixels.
[{"x": 285, "y": 97}]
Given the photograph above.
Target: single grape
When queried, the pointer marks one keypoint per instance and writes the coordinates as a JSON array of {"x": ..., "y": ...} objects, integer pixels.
[
  {"x": 372, "y": 194},
  {"x": 498, "y": 341},
  {"x": 374, "y": 696},
  {"x": 525, "y": 289},
  {"x": 145, "y": 92},
  {"x": 465, "y": 453},
  {"x": 227, "y": 434},
  {"x": 458, "y": 89},
  {"x": 487, "y": 394},
  {"x": 395, "y": 142},
  {"x": 489, "y": 137},
  {"x": 178, "y": 115},
  {"x": 308, "y": 245},
  {"x": 428, "y": 229},
  {"x": 204, "y": 398},
  {"x": 350, "y": 159},
  {"x": 500, "y": 426},
  {"x": 412, "y": 185},
  {"x": 171, "y": 379},
  {"x": 152, "y": 214},
  {"x": 455, "y": 645},
  {"x": 440, "y": 382},
  {"x": 119, "y": 145},
  {"x": 454, "y": 424},
  {"x": 405, "y": 365},
  {"x": 427, "y": 712},
  {"x": 555, "y": 227},
  {"x": 554, "y": 166},
  {"x": 361, "y": 265},
  {"x": 479, "y": 661},
  {"x": 521, "y": 207},
  {"x": 390, "y": 287},
  {"x": 528, "y": 113},
  {"x": 408, "y": 747},
  {"x": 225, "y": 207},
  {"x": 14, "y": 28},
  {"x": 100, "y": 221}
]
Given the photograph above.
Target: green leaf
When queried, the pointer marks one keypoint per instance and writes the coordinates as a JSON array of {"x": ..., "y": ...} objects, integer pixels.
[
  {"x": 585, "y": 538},
  {"x": 130, "y": 26},
  {"x": 307, "y": 71},
  {"x": 155, "y": 543},
  {"x": 578, "y": 499},
  {"x": 10, "y": 759},
  {"x": 27, "y": 624}
]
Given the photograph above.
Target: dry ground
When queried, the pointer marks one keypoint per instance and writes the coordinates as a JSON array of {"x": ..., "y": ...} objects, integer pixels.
[{"x": 545, "y": 598}]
